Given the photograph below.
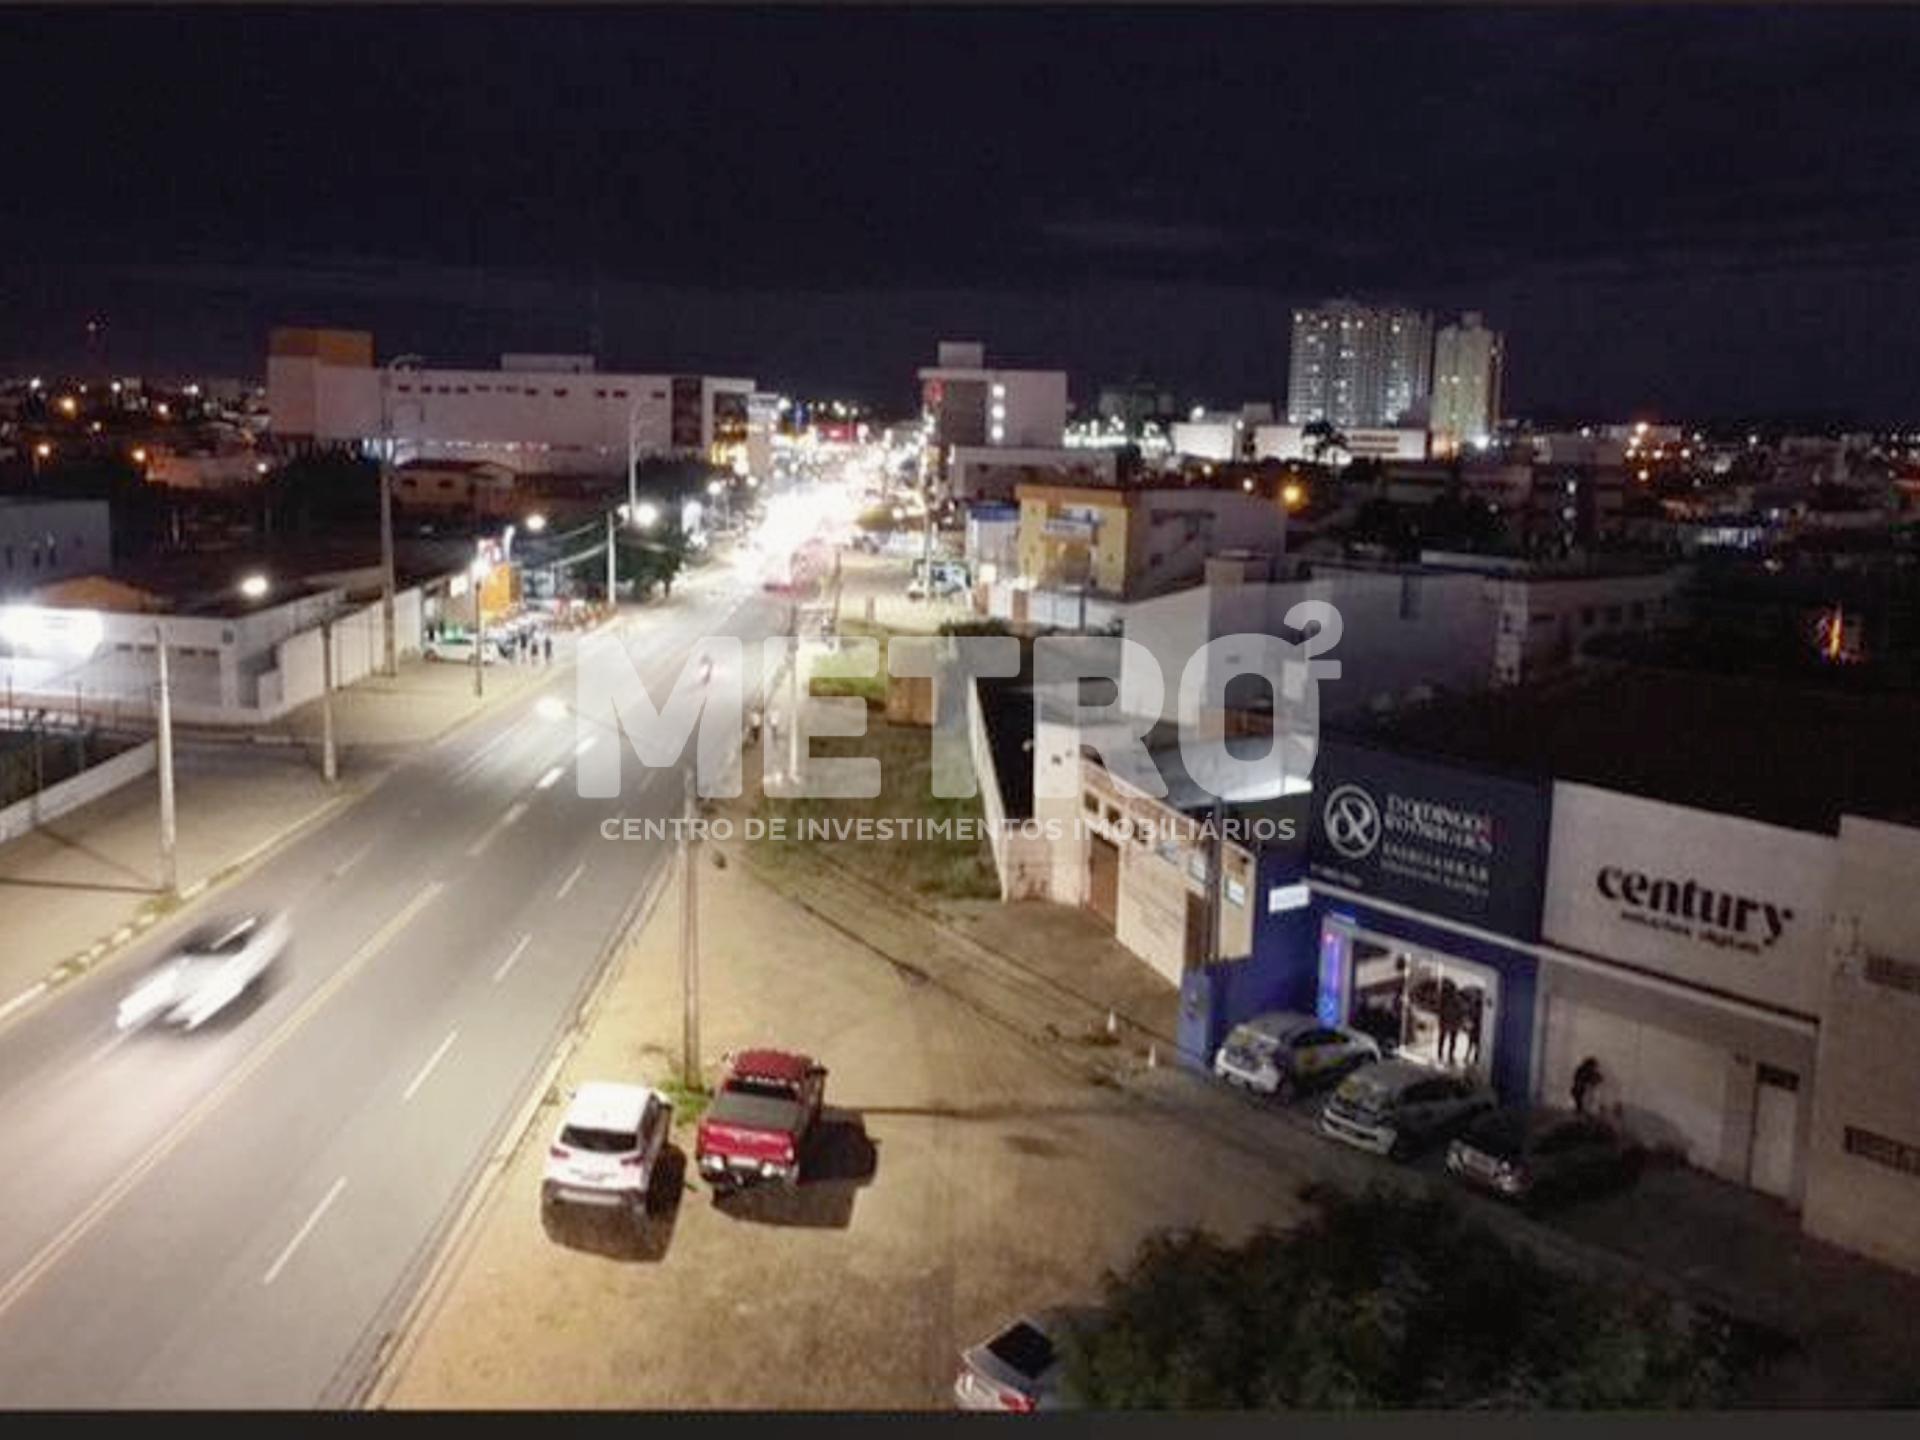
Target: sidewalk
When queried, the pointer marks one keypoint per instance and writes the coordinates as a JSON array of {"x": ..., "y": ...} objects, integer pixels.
[
  {"x": 83, "y": 884},
  {"x": 1047, "y": 970},
  {"x": 78, "y": 888}
]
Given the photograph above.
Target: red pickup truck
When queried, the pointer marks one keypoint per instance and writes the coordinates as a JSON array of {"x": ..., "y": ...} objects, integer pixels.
[{"x": 757, "y": 1126}]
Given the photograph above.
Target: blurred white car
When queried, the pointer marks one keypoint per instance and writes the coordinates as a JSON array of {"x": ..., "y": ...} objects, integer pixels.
[
  {"x": 610, "y": 1141},
  {"x": 1282, "y": 1049},
  {"x": 210, "y": 969},
  {"x": 459, "y": 648}
]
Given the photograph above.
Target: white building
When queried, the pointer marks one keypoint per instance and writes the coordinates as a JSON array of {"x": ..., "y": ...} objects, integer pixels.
[
  {"x": 46, "y": 540},
  {"x": 1358, "y": 365},
  {"x": 1291, "y": 442},
  {"x": 1468, "y": 360},
  {"x": 536, "y": 413},
  {"x": 973, "y": 405}
]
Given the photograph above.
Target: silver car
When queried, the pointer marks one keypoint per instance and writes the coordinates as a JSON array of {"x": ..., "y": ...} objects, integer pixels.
[
  {"x": 1018, "y": 1370},
  {"x": 1284, "y": 1049},
  {"x": 214, "y": 966},
  {"x": 1399, "y": 1106}
]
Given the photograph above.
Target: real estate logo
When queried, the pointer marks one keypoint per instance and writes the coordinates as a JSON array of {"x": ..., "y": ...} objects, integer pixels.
[
  {"x": 1699, "y": 912},
  {"x": 1352, "y": 822}
]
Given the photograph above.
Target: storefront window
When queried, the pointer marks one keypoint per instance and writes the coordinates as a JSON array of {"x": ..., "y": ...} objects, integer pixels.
[{"x": 1421, "y": 1004}]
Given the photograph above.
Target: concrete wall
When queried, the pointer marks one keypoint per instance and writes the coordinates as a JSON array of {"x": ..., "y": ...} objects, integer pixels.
[
  {"x": 1398, "y": 632},
  {"x": 1863, "y": 1165},
  {"x": 1020, "y": 856},
  {"x": 89, "y": 785}
]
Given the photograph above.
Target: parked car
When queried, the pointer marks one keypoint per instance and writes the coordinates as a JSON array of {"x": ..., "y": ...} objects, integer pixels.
[
  {"x": 1528, "y": 1156},
  {"x": 607, "y": 1148},
  {"x": 459, "y": 650},
  {"x": 763, "y": 1111},
  {"x": 1019, "y": 1369},
  {"x": 211, "y": 968},
  {"x": 1397, "y": 1107},
  {"x": 1283, "y": 1050}
]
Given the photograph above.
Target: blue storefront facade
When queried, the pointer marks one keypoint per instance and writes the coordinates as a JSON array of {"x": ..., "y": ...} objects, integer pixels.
[
  {"x": 1406, "y": 908},
  {"x": 1427, "y": 881}
]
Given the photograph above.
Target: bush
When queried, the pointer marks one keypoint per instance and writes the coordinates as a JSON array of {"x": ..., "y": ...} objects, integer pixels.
[{"x": 1385, "y": 1301}]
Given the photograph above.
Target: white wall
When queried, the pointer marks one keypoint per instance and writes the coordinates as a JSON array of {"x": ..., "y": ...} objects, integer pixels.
[
  {"x": 70, "y": 794},
  {"x": 1766, "y": 936},
  {"x": 1205, "y": 439}
]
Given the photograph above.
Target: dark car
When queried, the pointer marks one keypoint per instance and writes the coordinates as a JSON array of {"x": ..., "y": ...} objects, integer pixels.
[{"x": 1531, "y": 1156}]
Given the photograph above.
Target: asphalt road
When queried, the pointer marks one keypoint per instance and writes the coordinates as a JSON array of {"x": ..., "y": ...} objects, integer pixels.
[{"x": 236, "y": 1217}]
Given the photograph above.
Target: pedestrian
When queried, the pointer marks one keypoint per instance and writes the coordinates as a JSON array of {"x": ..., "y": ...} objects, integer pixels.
[
  {"x": 1473, "y": 1011},
  {"x": 1449, "y": 1020},
  {"x": 547, "y": 645},
  {"x": 1586, "y": 1079}
]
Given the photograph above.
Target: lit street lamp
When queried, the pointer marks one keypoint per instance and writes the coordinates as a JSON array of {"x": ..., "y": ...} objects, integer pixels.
[
  {"x": 536, "y": 522},
  {"x": 254, "y": 587}
]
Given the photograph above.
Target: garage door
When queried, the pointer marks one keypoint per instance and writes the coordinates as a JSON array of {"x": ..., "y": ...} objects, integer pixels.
[
  {"x": 1103, "y": 879},
  {"x": 1672, "y": 1089}
]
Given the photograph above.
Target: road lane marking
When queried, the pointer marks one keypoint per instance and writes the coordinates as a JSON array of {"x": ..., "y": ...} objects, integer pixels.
[
  {"x": 513, "y": 813},
  {"x": 427, "y": 1069},
  {"x": 507, "y": 964},
  {"x": 585, "y": 745},
  {"x": 333, "y": 1194},
  {"x": 547, "y": 780},
  {"x": 78, "y": 1228},
  {"x": 578, "y": 870},
  {"x": 352, "y": 860},
  {"x": 26, "y": 997}
]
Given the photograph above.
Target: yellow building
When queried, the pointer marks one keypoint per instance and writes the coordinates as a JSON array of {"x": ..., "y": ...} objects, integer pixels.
[{"x": 1131, "y": 544}]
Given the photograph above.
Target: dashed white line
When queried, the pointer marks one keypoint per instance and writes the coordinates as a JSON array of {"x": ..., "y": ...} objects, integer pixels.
[
  {"x": 26, "y": 997},
  {"x": 352, "y": 860},
  {"x": 305, "y": 1230},
  {"x": 513, "y": 955},
  {"x": 427, "y": 1069},
  {"x": 547, "y": 780},
  {"x": 568, "y": 884},
  {"x": 513, "y": 813},
  {"x": 586, "y": 745}
]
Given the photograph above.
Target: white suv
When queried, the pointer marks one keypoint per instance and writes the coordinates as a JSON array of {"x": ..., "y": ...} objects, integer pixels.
[
  {"x": 609, "y": 1142},
  {"x": 459, "y": 649}
]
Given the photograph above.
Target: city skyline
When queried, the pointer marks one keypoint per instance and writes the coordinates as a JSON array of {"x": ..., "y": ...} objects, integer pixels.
[{"x": 655, "y": 195}]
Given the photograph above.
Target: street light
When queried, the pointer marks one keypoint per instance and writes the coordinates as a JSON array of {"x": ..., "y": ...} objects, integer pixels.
[
  {"x": 646, "y": 515},
  {"x": 392, "y": 663},
  {"x": 254, "y": 587},
  {"x": 536, "y": 522}
]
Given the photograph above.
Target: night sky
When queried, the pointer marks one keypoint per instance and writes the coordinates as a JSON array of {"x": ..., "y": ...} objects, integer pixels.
[{"x": 1682, "y": 213}]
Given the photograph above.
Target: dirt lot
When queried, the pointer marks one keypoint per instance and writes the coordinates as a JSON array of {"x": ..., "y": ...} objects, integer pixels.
[{"x": 967, "y": 1176}]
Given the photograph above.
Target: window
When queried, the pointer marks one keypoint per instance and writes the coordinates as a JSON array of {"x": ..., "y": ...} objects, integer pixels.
[
  {"x": 1091, "y": 802},
  {"x": 1883, "y": 1150},
  {"x": 1586, "y": 616},
  {"x": 1880, "y": 969},
  {"x": 619, "y": 394},
  {"x": 599, "y": 394}
]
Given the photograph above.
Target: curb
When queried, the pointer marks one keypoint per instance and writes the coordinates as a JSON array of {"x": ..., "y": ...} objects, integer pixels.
[
  {"x": 82, "y": 962},
  {"x": 397, "y": 1347}
]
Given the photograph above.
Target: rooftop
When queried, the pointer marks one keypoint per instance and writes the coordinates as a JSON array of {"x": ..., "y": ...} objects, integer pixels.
[{"x": 1793, "y": 755}]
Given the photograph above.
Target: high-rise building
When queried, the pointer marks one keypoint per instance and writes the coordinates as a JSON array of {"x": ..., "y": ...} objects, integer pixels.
[
  {"x": 1467, "y": 360},
  {"x": 1359, "y": 365}
]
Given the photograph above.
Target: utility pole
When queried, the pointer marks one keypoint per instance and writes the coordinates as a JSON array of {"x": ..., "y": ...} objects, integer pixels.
[
  {"x": 391, "y": 665},
  {"x": 329, "y": 762},
  {"x": 479, "y": 631},
  {"x": 690, "y": 933},
  {"x": 1216, "y": 878},
  {"x": 612, "y": 549},
  {"x": 633, "y": 458},
  {"x": 169, "y": 874}
]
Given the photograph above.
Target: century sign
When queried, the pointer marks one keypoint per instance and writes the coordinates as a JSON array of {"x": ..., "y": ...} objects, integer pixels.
[{"x": 1717, "y": 900}]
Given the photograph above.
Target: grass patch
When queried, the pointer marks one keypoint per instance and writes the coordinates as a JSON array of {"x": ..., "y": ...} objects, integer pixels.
[
  {"x": 954, "y": 865},
  {"x": 689, "y": 1101}
]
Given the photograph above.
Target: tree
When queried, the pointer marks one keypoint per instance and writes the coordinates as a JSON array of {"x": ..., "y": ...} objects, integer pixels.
[
  {"x": 656, "y": 560},
  {"x": 1385, "y": 1300},
  {"x": 326, "y": 492}
]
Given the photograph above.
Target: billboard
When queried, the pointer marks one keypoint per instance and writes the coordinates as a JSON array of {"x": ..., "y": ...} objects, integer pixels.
[
  {"x": 1440, "y": 838},
  {"x": 1714, "y": 900}
]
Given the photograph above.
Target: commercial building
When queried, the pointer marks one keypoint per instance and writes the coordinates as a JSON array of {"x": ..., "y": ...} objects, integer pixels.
[
  {"x": 972, "y": 405},
  {"x": 1292, "y": 442},
  {"x": 1085, "y": 550},
  {"x": 535, "y": 413},
  {"x": 996, "y": 472},
  {"x": 46, "y": 540},
  {"x": 1359, "y": 366},
  {"x": 1468, "y": 364}
]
